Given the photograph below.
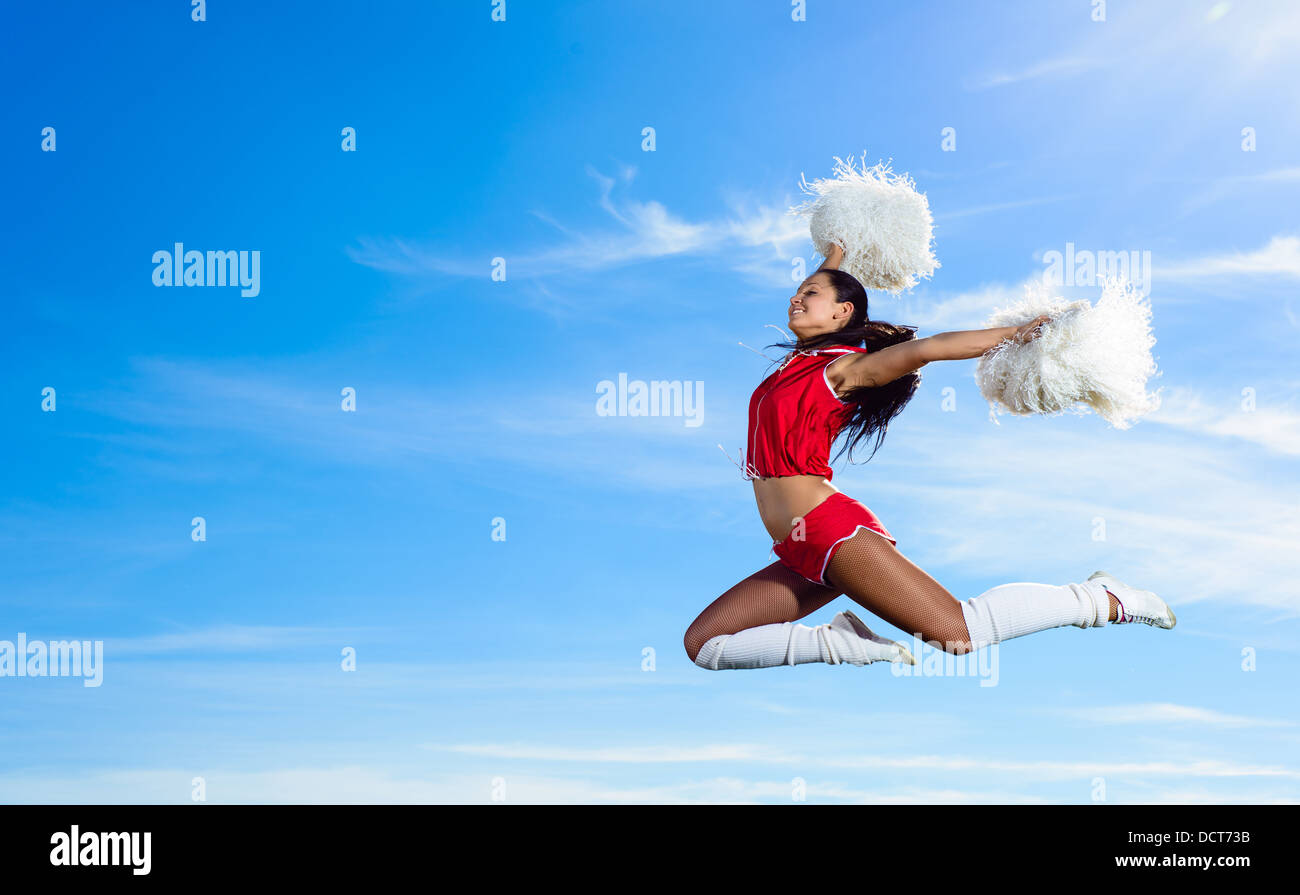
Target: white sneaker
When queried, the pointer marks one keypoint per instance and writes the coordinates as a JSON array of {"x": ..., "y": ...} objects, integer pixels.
[
  {"x": 849, "y": 640},
  {"x": 1135, "y": 605}
]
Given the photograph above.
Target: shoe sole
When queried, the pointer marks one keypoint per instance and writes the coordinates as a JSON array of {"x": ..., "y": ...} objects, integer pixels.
[
  {"x": 1173, "y": 619},
  {"x": 907, "y": 659}
]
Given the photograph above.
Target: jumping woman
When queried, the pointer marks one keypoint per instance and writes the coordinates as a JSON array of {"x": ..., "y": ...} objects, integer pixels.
[{"x": 847, "y": 375}]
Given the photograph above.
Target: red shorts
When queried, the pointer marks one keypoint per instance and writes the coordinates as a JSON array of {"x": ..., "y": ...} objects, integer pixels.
[{"x": 825, "y": 527}]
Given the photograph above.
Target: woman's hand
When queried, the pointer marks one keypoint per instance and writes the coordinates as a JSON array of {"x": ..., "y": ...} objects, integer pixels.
[
  {"x": 1031, "y": 330},
  {"x": 834, "y": 255}
]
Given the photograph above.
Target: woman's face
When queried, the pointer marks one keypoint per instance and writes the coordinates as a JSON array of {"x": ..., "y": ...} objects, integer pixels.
[{"x": 814, "y": 310}]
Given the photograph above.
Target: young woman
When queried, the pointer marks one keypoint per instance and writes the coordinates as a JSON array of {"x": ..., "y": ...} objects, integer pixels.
[{"x": 848, "y": 375}]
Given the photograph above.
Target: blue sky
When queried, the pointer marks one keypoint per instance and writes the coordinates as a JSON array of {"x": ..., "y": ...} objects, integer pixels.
[{"x": 515, "y": 667}]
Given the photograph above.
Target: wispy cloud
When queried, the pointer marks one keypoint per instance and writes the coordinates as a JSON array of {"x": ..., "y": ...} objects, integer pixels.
[
  {"x": 1170, "y": 713},
  {"x": 625, "y": 755},
  {"x": 646, "y": 231},
  {"x": 226, "y": 638},
  {"x": 327, "y": 785},
  {"x": 997, "y": 206},
  {"x": 1225, "y": 187},
  {"x": 935, "y": 310},
  {"x": 1152, "y": 42},
  {"x": 1057, "y": 67},
  {"x": 1271, "y": 427},
  {"x": 1043, "y": 769},
  {"x": 359, "y": 784},
  {"x": 1281, "y": 257},
  {"x": 401, "y": 428}
]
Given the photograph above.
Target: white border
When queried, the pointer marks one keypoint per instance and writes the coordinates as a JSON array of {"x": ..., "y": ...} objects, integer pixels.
[
  {"x": 827, "y": 561},
  {"x": 828, "y": 382}
]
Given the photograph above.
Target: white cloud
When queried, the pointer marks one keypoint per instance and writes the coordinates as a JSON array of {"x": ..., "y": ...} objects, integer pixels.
[
  {"x": 1069, "y": 770},
  {"x": 1150, "y": 44},
  {"x": 622, "y": 755},
  {"x": 561, "y": 432},
  {"x": 756, "y": 225},
  {"x": 236, "y": 638},
  {"x": 647, "y": 231},
  {"x": 1061, "y": 65},
  {"x": 358, "y": 785},
  {"x": 1170, "y": 713},
  {"x": 1281, "y": 257},
  {"x": 938, "y": 311},
  {"x": 997, "y": 206},
  {"x": 1226, "y": 187},
  {"x": 341, "y": 785},
  {"x": 1041, "y": 769},
  {"x": 1274, "y": 428}
]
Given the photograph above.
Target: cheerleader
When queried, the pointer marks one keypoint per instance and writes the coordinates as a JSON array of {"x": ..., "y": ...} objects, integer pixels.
[{"x": 847, "y": 376}]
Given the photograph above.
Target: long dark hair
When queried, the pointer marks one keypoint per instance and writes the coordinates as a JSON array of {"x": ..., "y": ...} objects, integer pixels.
[{"x": 874, "y": 406}]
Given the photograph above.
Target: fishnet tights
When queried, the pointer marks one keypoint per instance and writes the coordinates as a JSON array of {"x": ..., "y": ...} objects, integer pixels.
[
  {"x": 869, "y": 569},
  {"x": 769, "y": 596},
  {"x": 874, "y": 573}
]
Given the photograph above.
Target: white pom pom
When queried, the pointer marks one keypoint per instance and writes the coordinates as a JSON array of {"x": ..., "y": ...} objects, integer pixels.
[
  {"x": 1093, "y": 356},
  {"x": 878, "y": 218}
]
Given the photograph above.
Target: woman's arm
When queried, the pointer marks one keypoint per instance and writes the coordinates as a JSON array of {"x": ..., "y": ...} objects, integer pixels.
[
  {"x": 884, "y": 366},
  {"x": 969, "y": 343},
  {"x": 833, "y": 259}
]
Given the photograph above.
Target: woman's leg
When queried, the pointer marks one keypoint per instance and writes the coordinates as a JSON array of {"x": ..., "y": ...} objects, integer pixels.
[
  {"x": 871, "y": 571},
  {"x": 751, "y": 626},
  {"x": 770, "y": 596}
]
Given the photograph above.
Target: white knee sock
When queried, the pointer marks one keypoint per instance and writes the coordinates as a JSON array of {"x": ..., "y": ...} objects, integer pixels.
[
  {"x": 786, "y": 643},
  {"x": 1012, "y": 610}
]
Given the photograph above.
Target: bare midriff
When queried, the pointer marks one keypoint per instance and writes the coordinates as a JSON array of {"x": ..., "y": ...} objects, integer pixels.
[{"x": 783, "y": 499}]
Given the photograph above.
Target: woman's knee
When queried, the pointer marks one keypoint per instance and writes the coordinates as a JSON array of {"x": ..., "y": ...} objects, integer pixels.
[
  {"x": 954, "y": 647},
  {"x": 693, "y": 643},
  {"x": 950, "y": 636}
]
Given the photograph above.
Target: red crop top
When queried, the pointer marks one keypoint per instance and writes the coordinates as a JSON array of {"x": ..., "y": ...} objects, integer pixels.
[{"x": 794, "y": 416}]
